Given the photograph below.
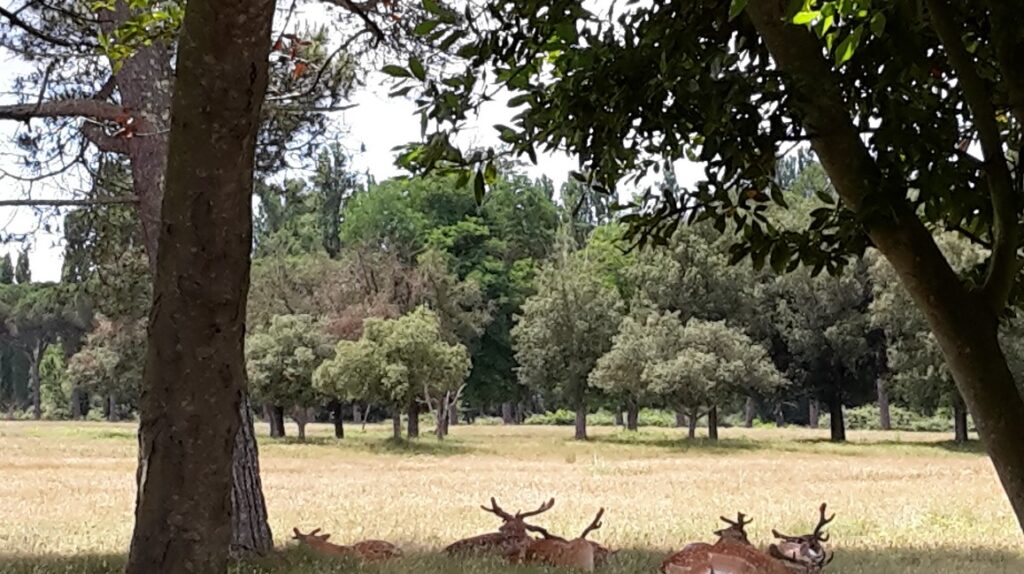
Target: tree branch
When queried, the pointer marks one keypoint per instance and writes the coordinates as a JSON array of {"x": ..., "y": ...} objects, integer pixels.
[
  {"x": 1009, "y": 44},
  {"x": 68, "y": 202},
  {"x": 17, "y": 22},
  {"x": 360, "y": 9},
  {"x": 1002, "y": 269},
  {"x": 102, "y": 140},
  {"x": 90, "y": 108}
]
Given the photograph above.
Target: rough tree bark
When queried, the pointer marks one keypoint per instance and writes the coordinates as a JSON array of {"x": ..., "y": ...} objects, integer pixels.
[
  {"x": 632, "y": 416},
  {"x": 713, "y": 423},
  {"x": 250, "y": 529},
  {"x": 964, "y": 321},
  {"x": 275, "y": 418},
  {"x": 194, "y": 375},
  {"x": 581, "y": 422},
  {"x": 884, "y": 416}
]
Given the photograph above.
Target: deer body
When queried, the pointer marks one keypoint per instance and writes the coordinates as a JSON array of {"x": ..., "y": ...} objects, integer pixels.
[
  {"x": 511, "y": 539},
  {"x": 366, "y": 551},
  {"x": 581, "y": 554}
]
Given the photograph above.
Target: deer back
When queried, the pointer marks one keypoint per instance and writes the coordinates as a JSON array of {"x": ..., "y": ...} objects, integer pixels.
[
  {"x": 496, "y": 543},
  {"x": 578, "y": 554},
  {"x": 724, "y": 557},
  {"x": 375, "y": 550}
]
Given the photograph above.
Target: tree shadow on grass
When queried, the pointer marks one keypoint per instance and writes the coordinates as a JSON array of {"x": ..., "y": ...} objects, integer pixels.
[
  {"x": 427, "y": 445},
  {"x": 683, "y": 444},
  {"x": 628, "y": 561},
  {"x": 970, "y": 447}
]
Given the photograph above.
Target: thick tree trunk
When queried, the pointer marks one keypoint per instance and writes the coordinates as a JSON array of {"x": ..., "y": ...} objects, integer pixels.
[
  {"x": 194, "y": 374},
  {"x": 959, "y": 420},
  {"x": 250, "y": 531},
  {"x": 964, "y": 321},
  {"x": 111, "y": 409},
  {"x": 884, "y": 417},
  {"x": 581, "y": 423},
  {"x": 35, "y": 357},
  {"x": 835, "y": 411},
  {"x": 338, "y": 419},
  {"x": 275, "y": 416},
  {"x": 691, "y": 430},
  {"x": 396, "y": 423},
  {"x": 507, "y": 415},
  {"x": 414, "y": 420},
  {"x": 749, "y": 412},
  {"x": 632, "y": 416},
  {"x": 713, "y": 423}
]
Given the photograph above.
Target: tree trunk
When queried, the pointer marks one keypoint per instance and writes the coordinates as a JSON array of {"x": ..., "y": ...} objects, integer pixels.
[
  {"x": 835, "y": 411},
  {"x": 581, "y": 423},
  {"x": 194, "y": 374},
  {"x": 619, "y": 421},
  {"x": 692, "y": 425},
  {"x": 713, "y": 423},
  {"x": 520, "y": 413},
  {"x": 680, "y": 418},
  {"x": 414, "y": 420},
  {"x": 453, "y": 416},
  {"x": 813, "y": 413},
  {"x": 275, "y": 416},
  {"x": 780, "y": 418},
  {"x": 507, "y": 416},
  {"x": 35, "y": 357},
  {"x": 357, "y": 414},
  {"x": 749, "y": 412},
  {"x": 250, "y": 531},
  {"x": 396, "y": 423},
  {"x": 959, "y": 420},
  {"x": 632, "y": 416},
  {"x": 111, "y": 409},
  {"x": 964, "y": 321},
  {"x": 884, "y": 417},
  {"x": 336, "y": 415},
  {"x": 76, "y": 403}
]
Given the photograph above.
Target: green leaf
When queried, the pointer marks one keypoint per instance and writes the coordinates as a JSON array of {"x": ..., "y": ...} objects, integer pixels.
[
  {"x": 848, "y": 46},
  {"x": 825, "y": 197},
  {"x": 479, "y": 187},
  {"x": 735, "y": 7},
  {"x": 878, "y": 24},
  {"x": 490, "y": 173},
  {"x": 806, "y": 16},
  {"x": 396, "y": 71},
  {"x": 780, "y": 257},
  {"x": 425, "y": 27},
  {"x": 416, "y": 66}
]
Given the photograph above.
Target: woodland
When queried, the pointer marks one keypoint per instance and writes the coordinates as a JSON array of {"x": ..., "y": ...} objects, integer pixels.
[{"x": 850, "y": 260}]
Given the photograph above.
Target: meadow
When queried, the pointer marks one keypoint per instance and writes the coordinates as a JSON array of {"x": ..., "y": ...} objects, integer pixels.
[{"x": 905, "y": 503}]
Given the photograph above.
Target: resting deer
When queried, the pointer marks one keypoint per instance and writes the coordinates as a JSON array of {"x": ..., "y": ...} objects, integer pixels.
[
  {"x": 366, "y": 551},
  {"x": 580, "y": 553},
  {"x": 510, "y": 539},
  {"x": 733, "y": 553}
]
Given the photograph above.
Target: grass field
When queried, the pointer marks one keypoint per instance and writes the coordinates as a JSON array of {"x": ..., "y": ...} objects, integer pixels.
[{"x": 906, "y": 503}]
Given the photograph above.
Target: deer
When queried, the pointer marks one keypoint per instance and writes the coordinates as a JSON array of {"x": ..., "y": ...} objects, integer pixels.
[
  {"x": 579, "y": 553},
  {"x": 510, "y": 540},
  {"x": 734, "y": 554},
  {"x": 365, "y": 551}
]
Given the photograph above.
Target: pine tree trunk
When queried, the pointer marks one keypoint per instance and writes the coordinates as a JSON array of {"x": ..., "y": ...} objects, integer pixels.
[
  {"x": 749, "y": 412},
  {"x": 396, "y": 423},
  {"x": 959, "y": 420},
  {"x": 692, "y": 425},
  {"x": 632, "y": 416},
  {"x": 338, "y": 419},
  {"x": 507, "y": 416},
  {"x": 713, "y": 423},
  {"x": 835, "y": 411},
  {"x": 884, "y": 416},
  {"x": 414, "y": 420},
  {"x": 195, "y": 366},
  {"x": 813, "y": 413},
  {"x": 250, "y": 530},
  {"x": 581, "y": 423}
]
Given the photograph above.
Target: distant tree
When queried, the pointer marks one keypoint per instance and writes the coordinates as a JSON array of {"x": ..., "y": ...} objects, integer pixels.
[
  {"x": 333, "y": 183},
  {"x": 53, "y": 384},
  {"x": 6, "y": 270},
  {"x": 398, "y": 362},
  {"x": 22, "y": 271},
  {"x": 109, "y": 365},
  {"x": 281, "y": 359},
  {"x": 563, "y": 331},
  {"x": 714, "y": 365}
]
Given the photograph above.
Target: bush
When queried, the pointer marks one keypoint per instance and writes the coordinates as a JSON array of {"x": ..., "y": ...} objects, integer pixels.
[
  {"x": 866, "y": 417},
  {"x": 603, "y": 418}
]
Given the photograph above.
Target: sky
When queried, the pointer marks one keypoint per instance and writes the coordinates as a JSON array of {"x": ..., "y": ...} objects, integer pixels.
[{"x": 369, "y": 131}]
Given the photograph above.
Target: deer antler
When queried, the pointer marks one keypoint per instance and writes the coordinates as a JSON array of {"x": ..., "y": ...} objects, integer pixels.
[
  {"x": 740, "y": 522},
  {"x": 543, "y": 532},
  {"x": 593, "y": 525},
  {"x": 541, "y": 509},
  {"x": 495, "y": 509},
  {"x": 822, "y": 522}
]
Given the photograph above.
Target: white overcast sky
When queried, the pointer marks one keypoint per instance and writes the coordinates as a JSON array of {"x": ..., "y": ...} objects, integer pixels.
[{"x": 377, "y": 124}]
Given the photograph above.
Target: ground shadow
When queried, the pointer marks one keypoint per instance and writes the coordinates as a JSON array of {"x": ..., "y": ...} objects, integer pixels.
[
  {"x": 681, "y": 443},
  {"x": 970, "y": 447},
  {"x": 421, "y": 446},
  {"x": 629, "y": 561}
]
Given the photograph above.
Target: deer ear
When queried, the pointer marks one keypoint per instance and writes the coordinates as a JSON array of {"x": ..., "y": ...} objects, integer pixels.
[
  {"x": 325, "y": 537},
  {"x": 297, "y": 533}
]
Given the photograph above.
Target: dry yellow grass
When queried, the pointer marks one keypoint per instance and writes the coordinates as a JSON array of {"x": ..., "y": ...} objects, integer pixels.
[{"x": 905, "y": 503}]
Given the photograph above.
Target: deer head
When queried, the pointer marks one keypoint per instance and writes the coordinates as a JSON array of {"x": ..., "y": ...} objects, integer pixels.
[
  {"x": 736, "y": 531},
  {"x": 515, "y": 525},
  {"x": 312, "y": 537},
  {"x": 808, "y": 550}
]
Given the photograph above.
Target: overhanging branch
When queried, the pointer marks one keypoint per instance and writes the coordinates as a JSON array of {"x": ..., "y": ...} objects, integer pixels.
[
  {"x": 17, "y": 22},
  {"x": 95, "y": 109},
  {"x": 68, "y": 202}
]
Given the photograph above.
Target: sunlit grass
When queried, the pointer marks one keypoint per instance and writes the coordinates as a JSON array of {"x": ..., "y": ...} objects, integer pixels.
[{"x": 906, "y": 502}]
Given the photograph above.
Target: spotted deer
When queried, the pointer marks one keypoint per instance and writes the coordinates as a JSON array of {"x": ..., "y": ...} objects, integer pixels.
[
  {"x": 734, "y": 554},
  {"x": 579, "y": 553},
  {"x": 365, "y": 551},
  {"x": 509, "y": 541}
]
